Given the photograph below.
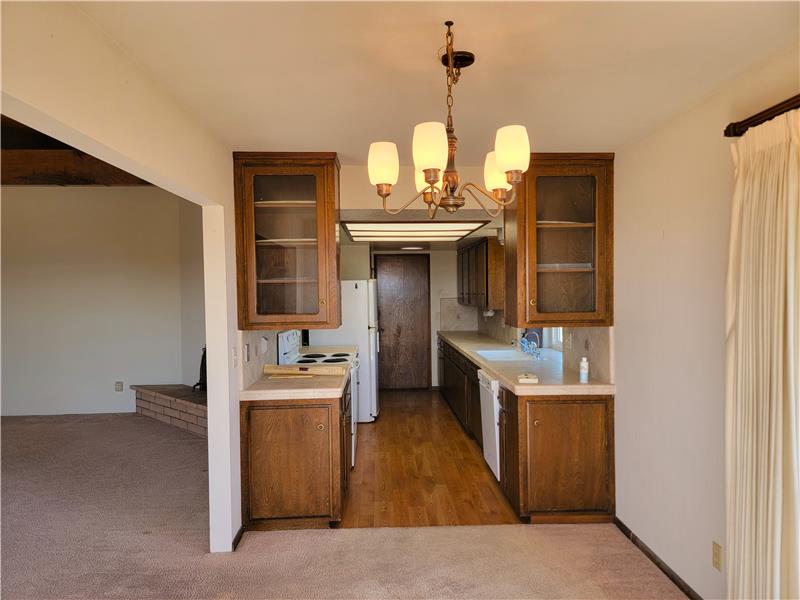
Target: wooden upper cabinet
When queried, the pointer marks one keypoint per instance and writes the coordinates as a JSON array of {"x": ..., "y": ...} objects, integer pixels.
[
  {"x": 559, "y": 243},
  {"x": 481, "y": 274},
  {"x": 287, "y": 217}
]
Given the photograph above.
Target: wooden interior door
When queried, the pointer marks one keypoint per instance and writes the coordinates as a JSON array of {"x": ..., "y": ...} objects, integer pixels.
[
  {"x": 404, "y": 320},
  {"x": 290, "y": 476}
]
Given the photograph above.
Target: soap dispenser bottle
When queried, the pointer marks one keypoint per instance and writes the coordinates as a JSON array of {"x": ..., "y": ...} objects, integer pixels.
[{"x": 584, "y": 370}]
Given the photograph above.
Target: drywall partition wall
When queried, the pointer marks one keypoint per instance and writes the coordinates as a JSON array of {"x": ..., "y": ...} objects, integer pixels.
[
  {"x": 354, "y": 261},
  {"x": 66, "y": 78},
  {"x": 672, "y": 207},
  {"x": 193, "y": 330},
  {"x": 93, "y": 280},
  {"x": 444, "y": 284}
]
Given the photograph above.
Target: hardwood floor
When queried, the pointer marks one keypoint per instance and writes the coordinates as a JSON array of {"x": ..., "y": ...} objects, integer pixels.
[{"x": 416, "y": 466}]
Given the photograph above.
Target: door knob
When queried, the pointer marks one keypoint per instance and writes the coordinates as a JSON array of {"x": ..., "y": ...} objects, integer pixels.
[
  {"x": 536, "y": 423},
  {"x": 320, "y": 426}
]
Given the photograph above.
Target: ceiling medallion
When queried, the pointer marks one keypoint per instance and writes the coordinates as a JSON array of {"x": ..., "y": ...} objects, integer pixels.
[{"x": 434, "y": 152}]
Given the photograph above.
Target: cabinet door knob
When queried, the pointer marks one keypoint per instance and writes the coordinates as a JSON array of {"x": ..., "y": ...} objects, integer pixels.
[
  {"x": 322, "y": 301},
  {"x": 536, "y": 423},
  {"x": 533, "y": 301},
  {"x": 321, "y": 427}
]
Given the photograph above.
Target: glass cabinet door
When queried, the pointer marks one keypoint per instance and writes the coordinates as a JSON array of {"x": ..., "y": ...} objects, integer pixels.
[
  {"x": 566, "y": 237},
  {"x": 285, "y": 234}
]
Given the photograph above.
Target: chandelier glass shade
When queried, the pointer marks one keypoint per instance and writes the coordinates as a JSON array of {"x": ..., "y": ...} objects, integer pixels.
[{"x": 434, "y": 147}]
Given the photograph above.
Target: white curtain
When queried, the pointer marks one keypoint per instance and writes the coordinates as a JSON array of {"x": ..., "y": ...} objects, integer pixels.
[{"x": 763, "y": 365}]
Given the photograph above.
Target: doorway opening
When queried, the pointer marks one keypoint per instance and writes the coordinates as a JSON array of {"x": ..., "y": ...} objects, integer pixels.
[
  {"x": 417, "y": 466},
  {"x": 103, "y": 289}
]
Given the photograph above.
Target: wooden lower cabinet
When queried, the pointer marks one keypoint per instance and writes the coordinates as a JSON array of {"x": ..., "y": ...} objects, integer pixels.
[
  {"x": 295, "y": 457},
  {"x": 455, "y": 389},
  {"x": 460, "y": 389},
  {"x": 474, "y": 408},
  {"x": 508, "y": 433},
  {"x": 557, "y": 457}
]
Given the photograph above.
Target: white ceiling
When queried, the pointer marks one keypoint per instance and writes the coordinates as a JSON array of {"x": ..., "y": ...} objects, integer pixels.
[{"x": 336, "y": 76}]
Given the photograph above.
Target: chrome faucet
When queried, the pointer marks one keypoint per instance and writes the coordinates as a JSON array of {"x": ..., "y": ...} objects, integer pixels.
[{"x": 534, "y": 348}]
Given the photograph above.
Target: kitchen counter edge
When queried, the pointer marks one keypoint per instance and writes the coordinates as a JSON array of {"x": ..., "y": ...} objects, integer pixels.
[{"x": 566, "y": 388}]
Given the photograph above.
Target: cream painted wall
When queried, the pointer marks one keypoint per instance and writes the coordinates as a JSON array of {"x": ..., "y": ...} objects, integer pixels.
[
  {"x": 99, "y": 285},
  {"x": 354, "y": 261},
  {"x": 672, "y": 207},
  {"x": 444, "y": 284},
  {"x": 63, "y": 76},
  {"x": 193, "y": 333}
]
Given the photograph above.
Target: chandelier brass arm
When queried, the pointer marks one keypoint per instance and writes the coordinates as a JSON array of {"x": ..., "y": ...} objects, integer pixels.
[
  {"x": 476, "y": 191},
  {"x": 397, "y": 211}
]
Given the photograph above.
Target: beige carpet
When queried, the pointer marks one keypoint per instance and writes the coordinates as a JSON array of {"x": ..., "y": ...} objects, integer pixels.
[{"x": 115, "y": 506}]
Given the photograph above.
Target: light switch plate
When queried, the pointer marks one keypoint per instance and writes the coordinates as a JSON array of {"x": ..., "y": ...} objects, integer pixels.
[
  {"x": 118, "y": 386},
  {"x": 716, "y": 556}
]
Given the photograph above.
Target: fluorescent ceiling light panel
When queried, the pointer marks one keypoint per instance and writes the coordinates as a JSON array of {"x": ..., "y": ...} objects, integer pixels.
[
  {"x": 401, "y": 239},
  {"x": 429, "y": 231},
  {"x": 411, "y": 234},
  {"x": 424, "y": 226}
]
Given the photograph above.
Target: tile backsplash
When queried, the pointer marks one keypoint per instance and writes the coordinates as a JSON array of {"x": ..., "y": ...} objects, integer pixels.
[
  {"x": 457, "y": 317},
  {"x": 261, "y": 353},
  {"x": 496, "y": 328},
  {"x": 595, "y": 343}
]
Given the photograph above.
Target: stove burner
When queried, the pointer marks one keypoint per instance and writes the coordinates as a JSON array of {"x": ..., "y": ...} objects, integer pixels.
[
  {"x": 340, "y": 354},
  {"x": 306, "y": 360},
  {"x": 313, "y": 355},
  {"x": 335, "y": 360}
]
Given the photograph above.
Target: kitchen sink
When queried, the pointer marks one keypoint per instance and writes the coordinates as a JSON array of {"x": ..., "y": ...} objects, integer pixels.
[{"x": 503, "y": 355}]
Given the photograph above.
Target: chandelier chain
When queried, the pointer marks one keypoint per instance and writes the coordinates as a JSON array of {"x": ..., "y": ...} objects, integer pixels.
[{"x": 452, "y": 77}]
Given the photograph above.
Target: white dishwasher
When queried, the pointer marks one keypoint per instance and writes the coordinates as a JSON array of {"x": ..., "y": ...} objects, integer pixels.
[{"x": 490, "y": 421}]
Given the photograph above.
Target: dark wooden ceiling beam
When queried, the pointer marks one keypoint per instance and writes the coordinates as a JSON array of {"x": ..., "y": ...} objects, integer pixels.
[
  {"x": 60, "y": 167},
  {"x": 29, "y": 157}
]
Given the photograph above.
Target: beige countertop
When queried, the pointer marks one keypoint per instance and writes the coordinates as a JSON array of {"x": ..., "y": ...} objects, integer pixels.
[
  {"x": 318, "y": 386},
  {"x": 553, "y": 379}
]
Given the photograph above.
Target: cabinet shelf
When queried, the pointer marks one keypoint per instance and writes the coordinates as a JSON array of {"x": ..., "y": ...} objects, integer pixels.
[
  {"x": 565, "y": 268},
  {"x": 563, "y": 225},
  {"x": 283, "y": 203},
  {"x": 288, "y": 242},
  {"x": 286, "y": 280}
]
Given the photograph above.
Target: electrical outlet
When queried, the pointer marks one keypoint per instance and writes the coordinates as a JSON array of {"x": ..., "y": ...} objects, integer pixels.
[
  {"x": 716, "y": 556},
  {"x": 118, "y": 386}
]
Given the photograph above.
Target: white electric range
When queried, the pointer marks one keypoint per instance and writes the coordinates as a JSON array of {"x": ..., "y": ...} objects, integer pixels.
[{"x": 291, "y": 352}]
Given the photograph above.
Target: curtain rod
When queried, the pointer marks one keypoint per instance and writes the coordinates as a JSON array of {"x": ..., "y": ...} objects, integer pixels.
[{"x": 738, "y": 128}]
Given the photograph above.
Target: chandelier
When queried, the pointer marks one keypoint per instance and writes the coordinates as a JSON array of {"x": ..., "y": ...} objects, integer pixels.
[{"x": 434, "y": 153}]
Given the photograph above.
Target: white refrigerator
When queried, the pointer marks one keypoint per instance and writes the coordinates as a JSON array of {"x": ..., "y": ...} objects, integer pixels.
[{"x": 359, "y": 327}]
